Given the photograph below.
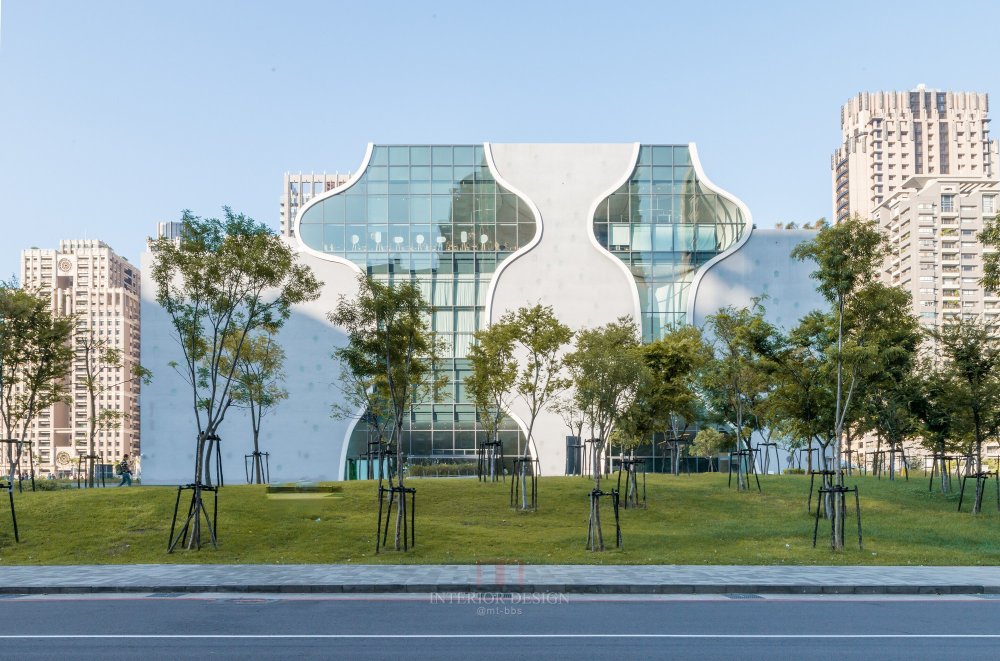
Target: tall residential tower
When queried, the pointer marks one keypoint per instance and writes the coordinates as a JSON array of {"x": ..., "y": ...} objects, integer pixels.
[
  {"x": 87, "y": 279},
  {"x": 889, "y": 137}
]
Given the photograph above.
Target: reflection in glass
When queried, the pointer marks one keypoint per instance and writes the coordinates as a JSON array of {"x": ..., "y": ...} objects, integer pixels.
[
  {"x": 664, "y": 225},
  {"x": 433, "y": 214}
]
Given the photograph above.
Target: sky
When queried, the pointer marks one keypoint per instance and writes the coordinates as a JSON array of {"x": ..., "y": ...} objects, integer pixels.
[{"x": 117, "y": 115}]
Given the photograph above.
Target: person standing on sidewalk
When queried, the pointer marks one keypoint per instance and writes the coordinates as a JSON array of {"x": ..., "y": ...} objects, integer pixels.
[{"x": 125, "y": 470}]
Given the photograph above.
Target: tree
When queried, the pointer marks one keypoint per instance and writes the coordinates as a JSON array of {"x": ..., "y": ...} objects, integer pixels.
[
  {"x": 494, "y": 373},
  {"x": 803, "y": 396},
  {"x": 221, "y": 282},
  {"x": 666, "y": 400},
  {"x": 389, "y": 335},
  {"x": 35, "y": 356},
  {"x": 970, "y": 351},
  {"x": 847, "y": 256},
  {"x": 103, "y": 363},
  {"x": 541, "y": 338},
  {"x": 990, "y": 238},
  {"x": 708, "y": 443},
  {"x": 736, "y": 380},
  {"x": 606, "y": 369},
  {"x": 257, "y": 387},
  {"x": 939, "y": 407}
]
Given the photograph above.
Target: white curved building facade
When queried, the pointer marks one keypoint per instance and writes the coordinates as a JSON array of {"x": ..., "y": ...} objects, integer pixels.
[{"x": 597, "y": 231}]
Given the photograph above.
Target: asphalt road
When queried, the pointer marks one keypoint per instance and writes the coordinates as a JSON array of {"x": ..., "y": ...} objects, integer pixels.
[{"x": 462, "y": 626}]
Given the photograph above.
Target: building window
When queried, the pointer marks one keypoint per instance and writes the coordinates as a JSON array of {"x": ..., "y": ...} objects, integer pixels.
[
  {"x": 989, "y": 203},
  {"x": 947, "y": 203}
]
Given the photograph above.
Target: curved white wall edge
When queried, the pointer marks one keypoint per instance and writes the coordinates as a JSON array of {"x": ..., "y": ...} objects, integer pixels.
[
  {"x": 520, "y": 252},
  {"x": 491, "y": 290},
  {"x": 319, "y": 198},
  {"x": 346, "y": 444},
  {"x": 589, "y": 229},
  {"x": 524, "y": 429},
  {"x": 337, "y": 260},
  {"x": 703, "y": 178}
]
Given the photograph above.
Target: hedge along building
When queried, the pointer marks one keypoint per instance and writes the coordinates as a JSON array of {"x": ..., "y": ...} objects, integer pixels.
[{"x": 597, "y": 231}]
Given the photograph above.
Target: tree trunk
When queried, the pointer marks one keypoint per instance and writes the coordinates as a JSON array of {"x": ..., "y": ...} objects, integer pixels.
[
  {"x": 838, "y": 503},
  {"x": 258, "y": 478}
]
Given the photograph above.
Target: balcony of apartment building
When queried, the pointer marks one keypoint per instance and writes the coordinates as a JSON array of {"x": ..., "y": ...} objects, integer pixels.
[
  {"x": 950, "y": 262},
  {"x": 842, "y": 210}
]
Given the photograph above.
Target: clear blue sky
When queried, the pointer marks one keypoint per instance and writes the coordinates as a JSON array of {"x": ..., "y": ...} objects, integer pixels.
[{"x": 116, "y": 115}]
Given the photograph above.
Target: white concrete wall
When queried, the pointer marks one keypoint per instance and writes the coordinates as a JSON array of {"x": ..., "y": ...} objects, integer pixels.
[
  {"x": 585, "y": 285},
  {"x": 303, "y": 440},
  {"x": 565, "y": 268},
  {"x": 763, "y": 265}
]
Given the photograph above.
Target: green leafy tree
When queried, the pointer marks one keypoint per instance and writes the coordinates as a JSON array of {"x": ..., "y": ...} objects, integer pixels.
[
  {"x": 257, "y": 387},
  {"x": 389, "y": 334},
  {"x": 802, "y": 399},
  {"x": 708, "y": 443},
  {"x": 939, "y": 407},
  {"x": 847, "y": 256},
  {"x": 103, "y": 363},
  {"x": 885, "y": 336},
  {"x": 224, "y": 280},
  {"x": 494, "y": 373},
  {"x": 541, "y": 339},
  {"x": 606, "y": 368},
  {"x": 736, "y": 381},
  {"x": 366, "y": 399},
  {"x": 667, "y": 398},
  {"x": 970, "y": 350},
  {"x": 990, "y": 238},
  {"x": 36, "y": 354}
]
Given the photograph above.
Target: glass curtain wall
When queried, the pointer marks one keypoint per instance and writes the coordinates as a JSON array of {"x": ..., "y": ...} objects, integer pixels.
[
  {"x": 434, "y": 215},
  {"x": 664, "y": 224}
]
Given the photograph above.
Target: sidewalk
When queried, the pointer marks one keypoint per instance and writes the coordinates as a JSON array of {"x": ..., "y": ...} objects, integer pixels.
[{"x": 631, "y": 579}]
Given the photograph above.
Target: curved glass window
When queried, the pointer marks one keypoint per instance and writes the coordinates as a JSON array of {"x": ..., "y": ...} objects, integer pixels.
[
  {"x": 664, "y": 224},
  {"x": 433, "y": 214}
]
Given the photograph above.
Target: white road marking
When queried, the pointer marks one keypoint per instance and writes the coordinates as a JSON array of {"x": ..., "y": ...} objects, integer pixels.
[{"x": 436, "y": 636}]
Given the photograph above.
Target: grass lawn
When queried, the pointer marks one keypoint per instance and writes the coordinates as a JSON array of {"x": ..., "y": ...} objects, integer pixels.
[{"x": 690, "y": 519}]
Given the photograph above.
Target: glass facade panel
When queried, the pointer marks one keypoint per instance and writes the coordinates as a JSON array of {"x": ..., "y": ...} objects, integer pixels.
[
  {"x": 664, "y": 224},
  {"x": 451, "y": 243}
]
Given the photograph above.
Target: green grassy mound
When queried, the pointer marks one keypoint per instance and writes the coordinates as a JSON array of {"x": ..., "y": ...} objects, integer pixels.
[{"x": 690, "y": 519}]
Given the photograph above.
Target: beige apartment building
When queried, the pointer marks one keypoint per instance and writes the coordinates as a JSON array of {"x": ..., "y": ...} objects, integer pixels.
[
  {"x": 923, "y": 166},
  {"x": 87, "y": 279},
  {"x": 932, "y": 224},
  {"x": 889, "y": 137},
  {"x": 299, "y": 189}
]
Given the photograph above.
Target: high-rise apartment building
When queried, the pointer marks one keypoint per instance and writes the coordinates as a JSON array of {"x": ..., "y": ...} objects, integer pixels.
[
  {"x": 85, "y": 278},
  {"x": 932, "y": 224},
  {"x": 299, "y": 189},
  {"x": 922, "y": 165},
  {"x": 889, "y": 137}
]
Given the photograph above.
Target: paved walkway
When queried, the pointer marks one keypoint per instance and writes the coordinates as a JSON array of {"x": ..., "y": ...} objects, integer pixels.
[{"x": 635, "y": 579}]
